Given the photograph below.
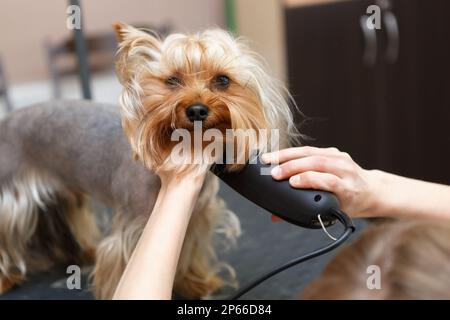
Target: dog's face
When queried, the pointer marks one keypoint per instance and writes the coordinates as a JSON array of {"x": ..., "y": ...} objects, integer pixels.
[{"x": 209, "y": 77}]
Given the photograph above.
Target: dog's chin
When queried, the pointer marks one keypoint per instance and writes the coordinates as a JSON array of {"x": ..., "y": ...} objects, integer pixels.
[
  {"x": 205, "y": 125},
  {"x": 235, "y": 163}
]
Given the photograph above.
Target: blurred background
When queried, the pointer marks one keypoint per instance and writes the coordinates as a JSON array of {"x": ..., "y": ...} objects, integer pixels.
[{"x": 381, "y": 94}]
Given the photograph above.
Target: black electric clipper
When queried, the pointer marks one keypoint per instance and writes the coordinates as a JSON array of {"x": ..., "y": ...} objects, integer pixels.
[{"x": 305, "y": 208}]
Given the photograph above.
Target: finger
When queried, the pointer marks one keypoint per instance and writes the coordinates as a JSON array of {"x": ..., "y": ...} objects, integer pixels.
[
  {"x": 317, "y": 180},
  {"x": 284, "y": 155},
  {"x": 333, "y": 165}
]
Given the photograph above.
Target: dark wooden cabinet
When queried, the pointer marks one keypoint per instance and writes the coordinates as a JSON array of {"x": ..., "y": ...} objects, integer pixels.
[
  {"x": 391, "y": 112},
  {"x": 418, "y": 91}
]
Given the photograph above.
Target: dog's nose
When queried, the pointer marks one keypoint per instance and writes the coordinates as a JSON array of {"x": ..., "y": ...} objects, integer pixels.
[{"x": 197, "y": 112}]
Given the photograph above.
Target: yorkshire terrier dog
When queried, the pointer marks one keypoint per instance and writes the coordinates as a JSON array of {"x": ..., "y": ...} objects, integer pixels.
[{"x": 56, "y": 156}]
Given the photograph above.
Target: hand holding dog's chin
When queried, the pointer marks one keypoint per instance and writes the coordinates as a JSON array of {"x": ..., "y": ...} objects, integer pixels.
[{"x": 191, "y": 177}]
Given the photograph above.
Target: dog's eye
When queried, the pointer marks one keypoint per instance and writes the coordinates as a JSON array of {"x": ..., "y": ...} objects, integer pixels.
[
  {"x": 222, "y": 82},
  {"x": 173, "y": 82}
]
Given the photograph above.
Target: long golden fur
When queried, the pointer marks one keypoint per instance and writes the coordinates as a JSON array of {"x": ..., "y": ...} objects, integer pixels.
[{"x": 152, "y": 109}]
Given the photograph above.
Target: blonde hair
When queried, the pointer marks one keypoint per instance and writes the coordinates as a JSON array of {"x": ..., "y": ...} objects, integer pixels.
[{"x": 413, "y": 257}]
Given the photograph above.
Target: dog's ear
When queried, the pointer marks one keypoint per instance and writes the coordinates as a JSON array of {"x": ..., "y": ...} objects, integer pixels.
[
  {"x": 120, "y": 28},
  {"x": 135, "y": 46},
  {"x": 126, "y": 32}
]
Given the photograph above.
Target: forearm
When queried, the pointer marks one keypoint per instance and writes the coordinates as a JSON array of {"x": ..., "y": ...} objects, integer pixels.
[
  {"x": 151, "y": 269},
  {"x": 396, "y": 196}
]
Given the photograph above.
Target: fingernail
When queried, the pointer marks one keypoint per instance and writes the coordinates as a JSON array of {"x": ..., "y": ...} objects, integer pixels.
[
  {"x": 276, "y": 172},
  {"x": 294, "y": 180},
  {"x": 266, "y": 158}
]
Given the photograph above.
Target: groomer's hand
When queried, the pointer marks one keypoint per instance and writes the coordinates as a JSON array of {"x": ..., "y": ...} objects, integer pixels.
[
  {"x": 362, "y": 193},
  {"x": 326, "y": 169},
  {"x": 150, "y": 273},
  {"x": 191, "y": 176}
]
